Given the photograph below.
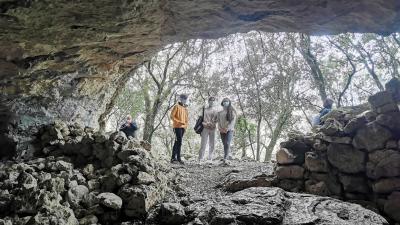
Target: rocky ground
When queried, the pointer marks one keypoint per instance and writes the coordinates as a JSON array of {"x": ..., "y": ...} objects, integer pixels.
[{"x": 240, "y": 193}]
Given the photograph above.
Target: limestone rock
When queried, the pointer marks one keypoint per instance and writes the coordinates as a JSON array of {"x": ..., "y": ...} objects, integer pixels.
[
  {"x": 316, "y": 188},
  {"x": 390, "y": 120},
  {"x": 110, "y": 200},
  {"x": 88, "y": 220},
  {"x": 354, "y": 125},
  {"x": 346, "y": 158},
  {"x": 371, "y": 137},
  {"x": 238, "y": 182},
  {"x": 289, "y": 172},
  {"x": 338, "y": 140},
  {"x": 274, "y": 206},
  {"x": 383, "y": 164},
  {"x": 172, "y": 213},
  {"x": 298, "y": 147},
  {"x": 287, "y": 156},
  {"x": 392, "y": 206},
  {"x": 393, "y": 87},
  {"x": 291, "y": 185},
  {"x": 139, "y": 199},
  {"x": 332, "y": 127},
  {"x": 354, "y": 184},
  {"x": 386, "y": 185},
  {"x": 380, "y": 99},
  {"x": 76, "y": 194},
  {"x": 315, "y": 162}
]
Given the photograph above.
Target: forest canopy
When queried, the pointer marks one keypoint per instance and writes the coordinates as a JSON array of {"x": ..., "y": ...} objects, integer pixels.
[{"x": 277, "y": 82}]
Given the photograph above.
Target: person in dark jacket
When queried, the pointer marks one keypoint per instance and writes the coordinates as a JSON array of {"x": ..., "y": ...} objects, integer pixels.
[{"x": 129, "y": 128}]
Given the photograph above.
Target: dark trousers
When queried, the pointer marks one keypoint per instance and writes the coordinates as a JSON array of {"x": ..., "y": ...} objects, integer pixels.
[
  {"x": 176, "y": 150},
  {"x": 226, "y": 141}
]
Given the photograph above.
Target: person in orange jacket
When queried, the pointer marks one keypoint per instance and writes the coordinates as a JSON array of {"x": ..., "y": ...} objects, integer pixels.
[{"x": 180, "y": 120}]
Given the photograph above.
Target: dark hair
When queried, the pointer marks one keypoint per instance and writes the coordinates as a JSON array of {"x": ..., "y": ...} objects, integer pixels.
[
  {"x": 211, "y": 98},
  {"x": 328, "y": 103},
  {"x": 183, "y": 96},
  {"x": 230, "y": 110}
]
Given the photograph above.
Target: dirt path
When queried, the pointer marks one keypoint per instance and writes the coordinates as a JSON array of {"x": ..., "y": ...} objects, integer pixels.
[{"x": 198, "y": 182}]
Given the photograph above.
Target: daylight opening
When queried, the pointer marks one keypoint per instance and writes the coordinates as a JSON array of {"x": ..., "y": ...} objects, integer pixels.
[{"x": 277, "y": 83}]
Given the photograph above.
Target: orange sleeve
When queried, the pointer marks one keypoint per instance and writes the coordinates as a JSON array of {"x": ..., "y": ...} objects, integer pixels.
[
  {"x": 173, "y": 113},
  {"x": 187, "y": 117}
]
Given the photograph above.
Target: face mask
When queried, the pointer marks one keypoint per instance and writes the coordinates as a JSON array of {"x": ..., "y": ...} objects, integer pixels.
[
  {"x": 225, "y": 104},
  {"x": 211, "y": 103}
]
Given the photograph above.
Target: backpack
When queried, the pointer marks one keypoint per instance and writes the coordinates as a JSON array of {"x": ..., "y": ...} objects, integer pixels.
[{"x": 198, "y": 127}]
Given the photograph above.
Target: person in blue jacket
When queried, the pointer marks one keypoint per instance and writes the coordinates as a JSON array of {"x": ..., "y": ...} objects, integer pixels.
[{"x": 328, "y": 103}]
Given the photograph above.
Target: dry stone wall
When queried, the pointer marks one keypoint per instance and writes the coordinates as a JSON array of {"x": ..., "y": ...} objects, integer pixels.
[
  {"x": 354, "y": 155},
  {"x": 79, "y": 176}
]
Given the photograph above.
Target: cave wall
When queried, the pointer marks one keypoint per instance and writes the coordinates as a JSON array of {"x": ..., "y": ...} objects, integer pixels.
[
  {"x": 68, "y": 59},
  {"x": 353, "y": 156}
]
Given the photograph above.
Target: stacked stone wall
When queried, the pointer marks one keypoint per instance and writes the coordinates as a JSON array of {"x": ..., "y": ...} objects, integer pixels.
[{"x": 354, "y": 156}]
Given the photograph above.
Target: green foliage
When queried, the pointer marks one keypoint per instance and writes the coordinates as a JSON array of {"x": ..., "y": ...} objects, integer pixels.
[{"x": 130, "y": 102}]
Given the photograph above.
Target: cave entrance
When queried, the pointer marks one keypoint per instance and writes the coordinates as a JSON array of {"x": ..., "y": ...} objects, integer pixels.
[{"x": 277, "y": 82}]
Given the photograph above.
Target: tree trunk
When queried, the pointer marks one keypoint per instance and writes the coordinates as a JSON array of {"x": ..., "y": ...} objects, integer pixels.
[{"x": 319, "y": 80}]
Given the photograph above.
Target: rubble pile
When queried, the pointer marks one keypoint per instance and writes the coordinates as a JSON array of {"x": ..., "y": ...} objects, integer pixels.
[{"x": 82, "y": 177}]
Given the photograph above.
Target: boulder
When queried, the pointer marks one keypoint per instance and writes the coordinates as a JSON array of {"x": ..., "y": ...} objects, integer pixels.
[
  {"x": 346, "y": 158},
  {"x": 139, "y": 199},
  {"x": 332, "y": 127},
  {"x": 88, "y": 220},
  {"x": 172, "y": 214},
  {"x": 354, "y": 124},
  {"x": 370, "y": 115},
  {"x": 338, "y": 140},
  {"x": 319, "y": 145},
  {"x": 393, "y": 87},
  {"x": 110, "y": 200},
  {"x": 76, "y": 194},
  {"x": 356, "y": 184},
  {"x": 391, "y": 144},
  {"x": 289, "y": 172},
  {"x": 392, "y": 206},
  {"x": 371, "y": 137},
  {"x": 275, "y": 206},
  {"x": 315, "y": 162},
  {"x": 316, "y": 188},
  {"x": 383, "y": 163},
  {"x": 291, "y": 185},
  {"x": 237, "y": 181},
  {"x": 297, "y": 147},
  {"x": 390, "y": 121},
  {"x": 331, "y": 181},
  {"x": 392, "y": 107},
  {"x": 380, "y": 99},
  {"x": 286, "y": 156},
  {"x": 386, "y": 185}
]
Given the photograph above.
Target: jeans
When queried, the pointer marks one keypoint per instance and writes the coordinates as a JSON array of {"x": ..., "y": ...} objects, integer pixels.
[
  {"x": 176, "y": 150},
  {"x": 207, "y": 135},
  {"x": 226, "y": 141}
]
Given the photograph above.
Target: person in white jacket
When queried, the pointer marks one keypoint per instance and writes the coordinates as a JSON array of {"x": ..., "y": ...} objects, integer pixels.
[
  {"x": 208, "y": 133},
  {"x": 226, "y": 125}
]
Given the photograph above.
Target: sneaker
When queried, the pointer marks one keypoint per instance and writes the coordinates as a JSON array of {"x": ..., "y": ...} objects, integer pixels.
[
  {"x": 181, "y": 162},
  {"x": 174, "y": 161}
]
